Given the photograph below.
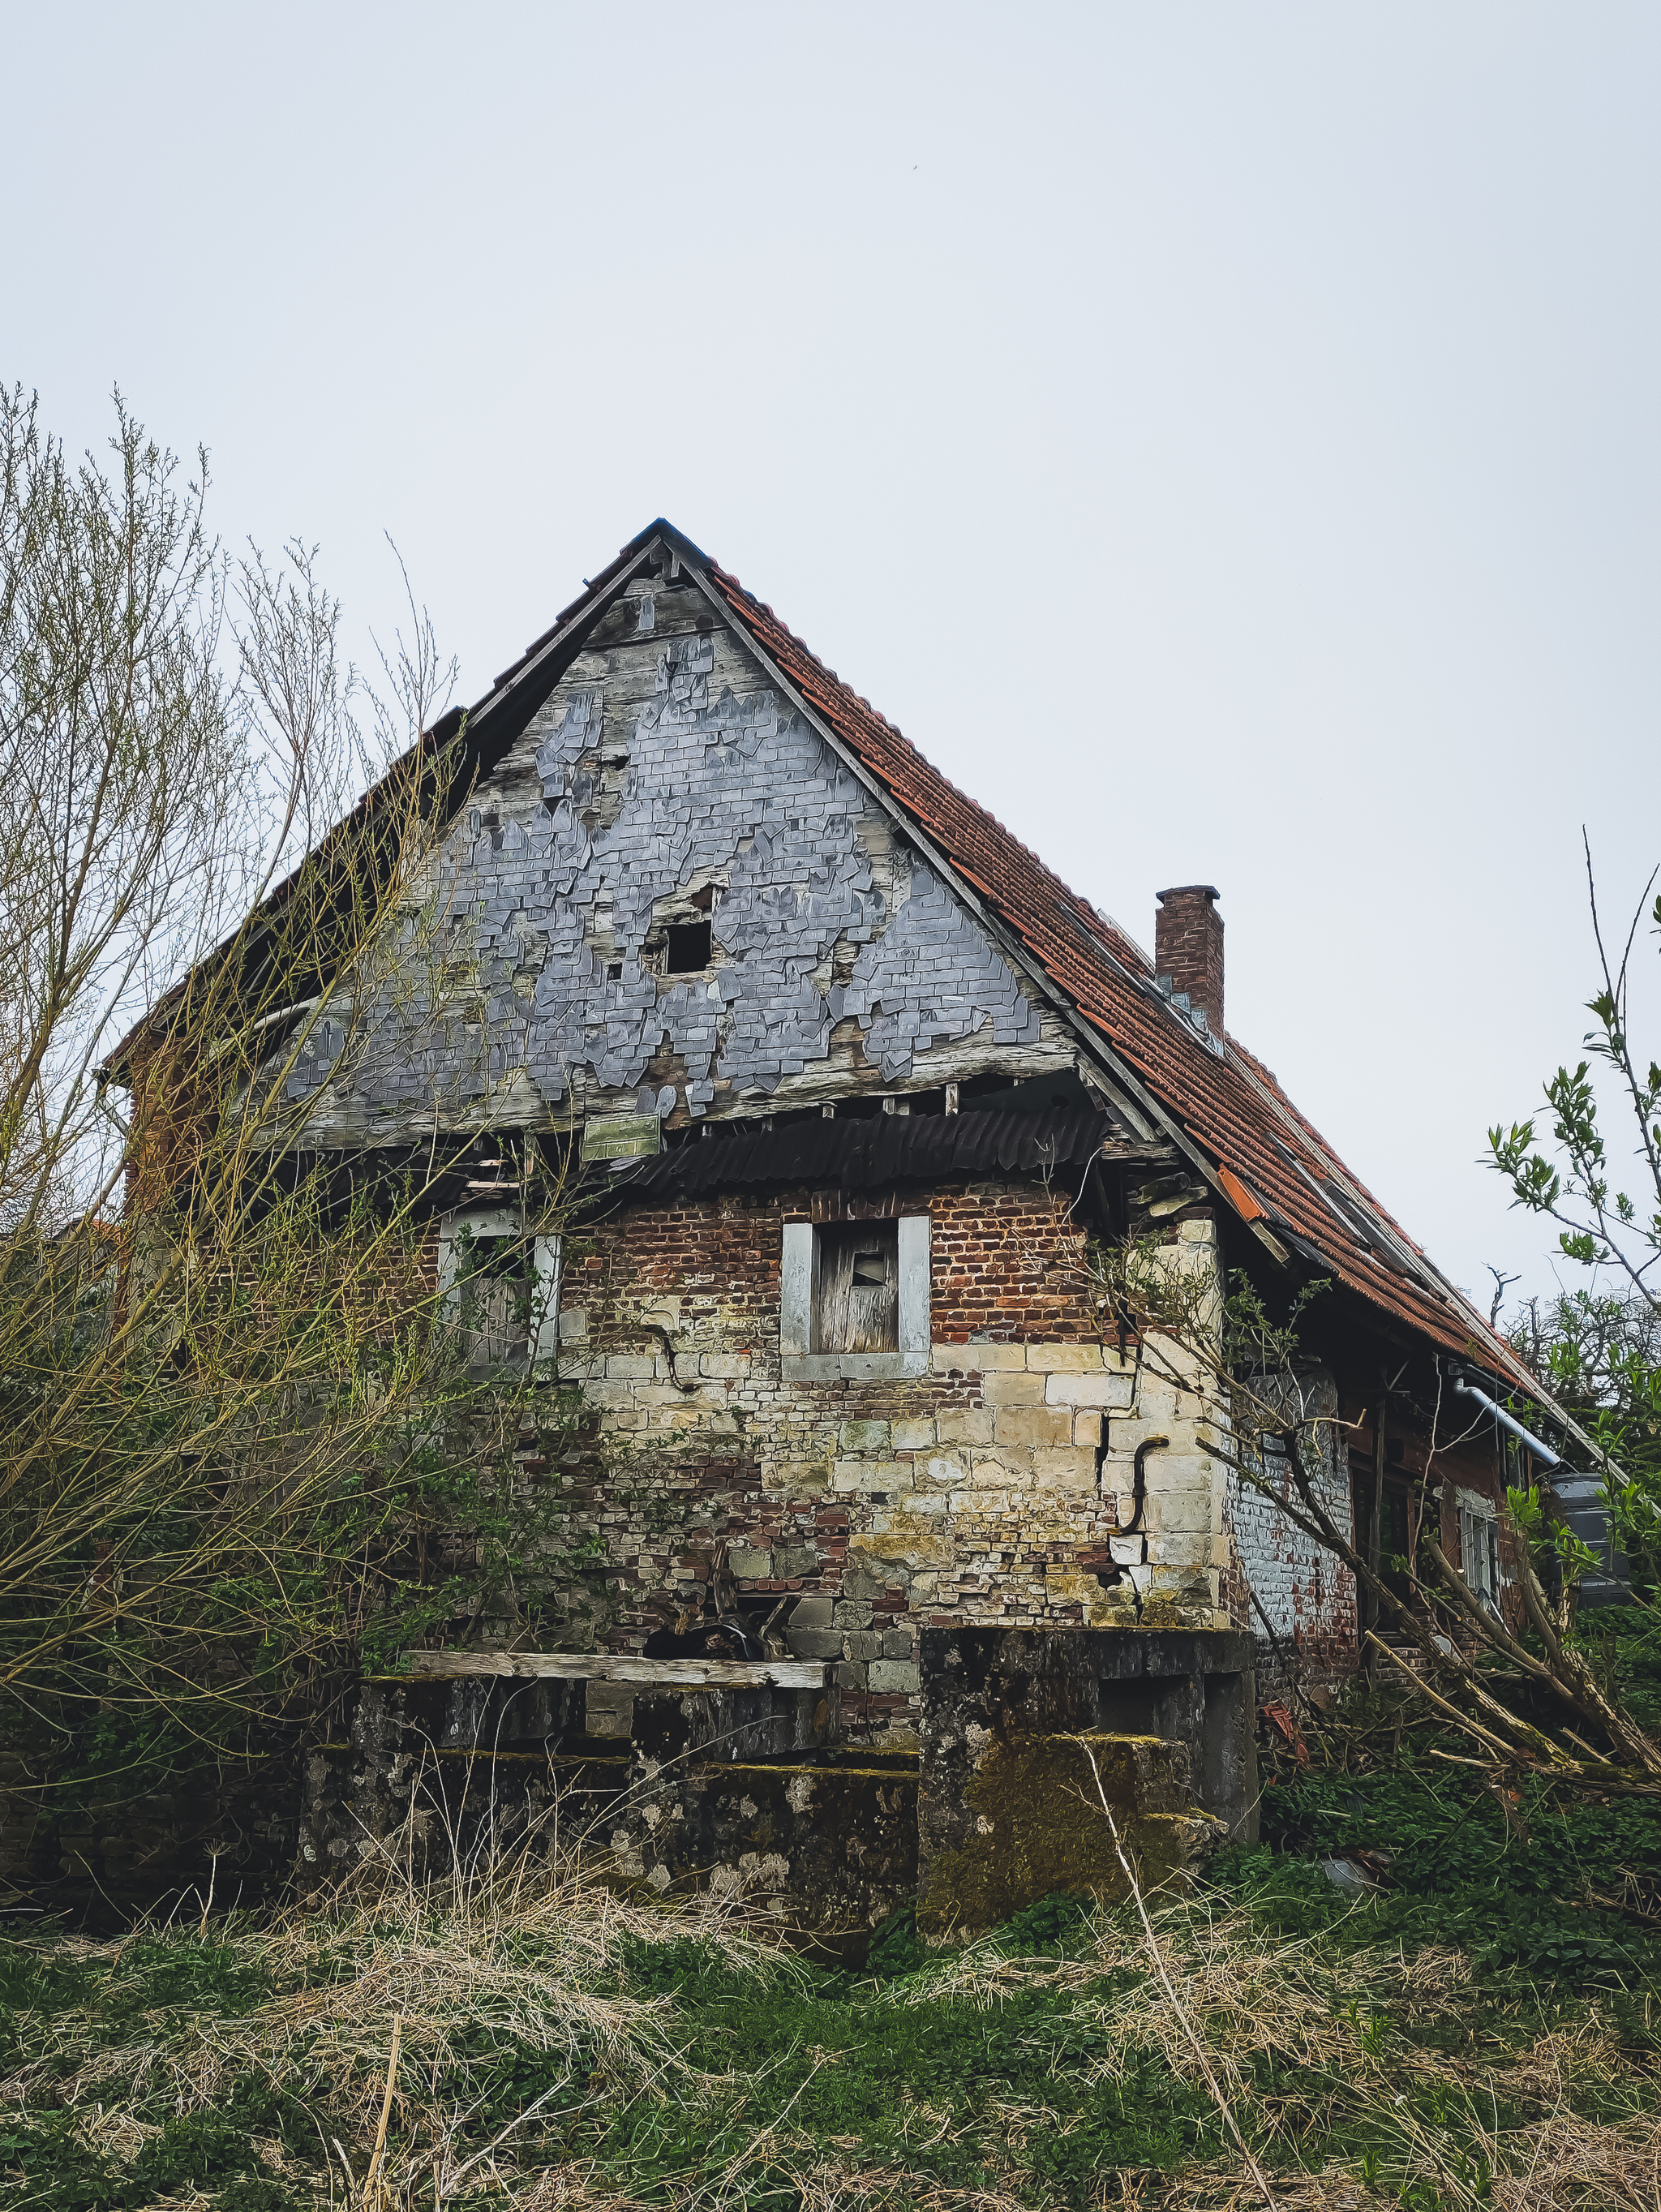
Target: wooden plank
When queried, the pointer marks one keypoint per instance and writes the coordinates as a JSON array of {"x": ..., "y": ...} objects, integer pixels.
[
  {"x": 649, "y": 1674},
  {"x": 915, "y": 1330},
  {"x": 859, "y": 1288}
]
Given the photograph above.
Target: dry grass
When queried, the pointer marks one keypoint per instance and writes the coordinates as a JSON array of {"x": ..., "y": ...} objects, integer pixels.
[
  {"x": 520, "y": 1955},
  {"x": 1329, "y": 2026},
  {"x": 1583, "y": 2165},
  {"x": 1584, "y": 2168},
  {"x": 1310, "y": 2043},
  {"x": 821, "y": 2185}
]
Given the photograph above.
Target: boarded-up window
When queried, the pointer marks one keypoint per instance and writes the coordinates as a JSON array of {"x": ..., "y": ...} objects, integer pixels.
[
  {"x": 853, "y": 1298},
  {"x": 494, "y": 1295},
  {"x": 856, "y": 1305},
  {"x": 499, "y": 1287}
]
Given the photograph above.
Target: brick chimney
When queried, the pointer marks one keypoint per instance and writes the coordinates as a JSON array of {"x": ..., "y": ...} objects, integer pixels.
[{"x": 1188, "y": 947}]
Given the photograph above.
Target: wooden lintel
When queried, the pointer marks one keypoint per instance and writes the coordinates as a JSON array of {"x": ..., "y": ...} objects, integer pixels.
[{"x": 648, "y": 1673}]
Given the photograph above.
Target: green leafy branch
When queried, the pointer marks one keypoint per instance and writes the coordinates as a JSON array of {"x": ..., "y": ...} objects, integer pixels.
[{"x": 1570, "y": 1182}]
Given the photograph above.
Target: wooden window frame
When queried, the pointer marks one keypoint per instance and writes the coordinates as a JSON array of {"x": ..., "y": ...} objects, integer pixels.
[
  {"x": 542, "y": 1342},
  {"x": 799, "y": 1283},
  {"x": 1478, "y": 1521}
]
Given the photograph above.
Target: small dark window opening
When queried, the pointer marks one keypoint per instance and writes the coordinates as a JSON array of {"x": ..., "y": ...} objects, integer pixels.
[
  {"x": 688, "y": 948},
  {"x": 857, "y": 1293},
  {"x": 1394, "y": 1537}
]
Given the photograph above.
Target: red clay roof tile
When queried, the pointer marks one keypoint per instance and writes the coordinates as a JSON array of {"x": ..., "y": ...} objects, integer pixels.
[{"x": 1230, "y": 1106}]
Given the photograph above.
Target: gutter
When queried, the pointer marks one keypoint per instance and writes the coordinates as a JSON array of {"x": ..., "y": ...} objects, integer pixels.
[{"x": 1466, "y": 1388}]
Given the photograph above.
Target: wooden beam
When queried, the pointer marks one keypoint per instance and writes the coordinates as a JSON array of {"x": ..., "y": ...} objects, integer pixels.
[{"x": 647, "y": 1674}]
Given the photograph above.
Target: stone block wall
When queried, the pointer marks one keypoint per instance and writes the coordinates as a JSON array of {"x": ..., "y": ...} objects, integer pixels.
[{"x": 1001, "y": 1486}]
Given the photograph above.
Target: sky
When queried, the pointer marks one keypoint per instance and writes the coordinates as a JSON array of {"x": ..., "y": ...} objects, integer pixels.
[{"x": 1223, "y": 438}]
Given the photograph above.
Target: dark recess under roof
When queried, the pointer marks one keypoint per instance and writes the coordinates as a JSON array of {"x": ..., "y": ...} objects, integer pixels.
[{"x": 887, "y": 1148}]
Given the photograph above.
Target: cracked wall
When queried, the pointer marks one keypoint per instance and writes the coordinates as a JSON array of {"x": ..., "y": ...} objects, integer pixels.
[{"x": 997, "y": 1487}]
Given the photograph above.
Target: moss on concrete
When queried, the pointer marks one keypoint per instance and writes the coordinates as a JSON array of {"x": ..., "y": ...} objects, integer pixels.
[{"x": 1038, "y": 1829}]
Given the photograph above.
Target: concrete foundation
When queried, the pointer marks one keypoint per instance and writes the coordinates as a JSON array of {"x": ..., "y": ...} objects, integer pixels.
[
  {"x": 1007, "y": 1806},
  {"x": 735, "y": 1791},
  {"x": 1049, "y": 1813},
  {"x": 826, "y": 1850},
  {"x": 743, "y": 1793}
]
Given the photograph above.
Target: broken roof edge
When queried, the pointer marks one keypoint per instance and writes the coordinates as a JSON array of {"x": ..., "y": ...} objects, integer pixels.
[
  {"x": 463, "y": 721},
  {"x": 1130, "y": 1093}
]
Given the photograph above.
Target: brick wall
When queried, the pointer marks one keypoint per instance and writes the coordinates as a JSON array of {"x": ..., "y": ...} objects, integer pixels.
[
  {"x": 1304, "y": 1616},
  {"x": 996, "y": 1486},
  {"x": 1007, "y": 1263},
  {"x": 1188, "y": 946},
  {"x": 1006, "y": 1266}
]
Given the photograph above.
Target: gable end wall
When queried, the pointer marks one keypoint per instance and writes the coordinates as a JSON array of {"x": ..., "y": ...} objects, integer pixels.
[{"x": 666, "y": 780}]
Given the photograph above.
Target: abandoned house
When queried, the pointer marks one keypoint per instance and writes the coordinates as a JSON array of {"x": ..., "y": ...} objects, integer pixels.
[{"x": 855, "y": 1085}]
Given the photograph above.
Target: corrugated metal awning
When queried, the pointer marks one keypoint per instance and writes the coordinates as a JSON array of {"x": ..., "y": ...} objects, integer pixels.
[{"x": 860, "y": 1155}]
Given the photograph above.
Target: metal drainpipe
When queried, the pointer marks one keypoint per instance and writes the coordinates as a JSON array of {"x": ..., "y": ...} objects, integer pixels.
[
  {"x": 1542, "y": 1452},
  {"x": 1133, "y": 1526}
]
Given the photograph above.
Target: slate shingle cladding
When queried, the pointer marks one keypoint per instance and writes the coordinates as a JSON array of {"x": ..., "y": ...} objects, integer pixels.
[{"x": 707, "y": 777}]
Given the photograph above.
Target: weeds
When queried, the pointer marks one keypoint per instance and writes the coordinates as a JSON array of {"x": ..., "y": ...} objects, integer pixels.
[
  {"x": 265, "y": 2054},
  {"x": 562, "y": 2049}
]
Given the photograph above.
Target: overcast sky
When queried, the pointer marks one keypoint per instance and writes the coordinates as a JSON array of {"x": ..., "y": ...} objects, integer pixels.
[{"x": 1224, "y": 439}]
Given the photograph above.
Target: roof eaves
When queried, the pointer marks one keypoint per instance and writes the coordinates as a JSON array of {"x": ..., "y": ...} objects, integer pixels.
[{"x": 1413, "y": 1260}]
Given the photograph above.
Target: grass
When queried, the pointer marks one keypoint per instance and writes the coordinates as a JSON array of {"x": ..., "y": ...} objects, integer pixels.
[{"x": 1485, "y": 2029}]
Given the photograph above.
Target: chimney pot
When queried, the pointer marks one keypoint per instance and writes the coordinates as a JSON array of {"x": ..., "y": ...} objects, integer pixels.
[{"x": 1188, "y": 948}]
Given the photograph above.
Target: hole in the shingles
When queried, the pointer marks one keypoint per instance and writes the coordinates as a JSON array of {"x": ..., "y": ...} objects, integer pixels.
[
  {"x": 871, "y": 1267},
  {"x": 688, "y": 948},
  {"x": 615, "y": 972}
]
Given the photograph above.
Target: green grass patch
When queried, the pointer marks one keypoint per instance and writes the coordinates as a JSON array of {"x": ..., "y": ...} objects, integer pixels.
[{"x": 1493, "y": 2011}]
